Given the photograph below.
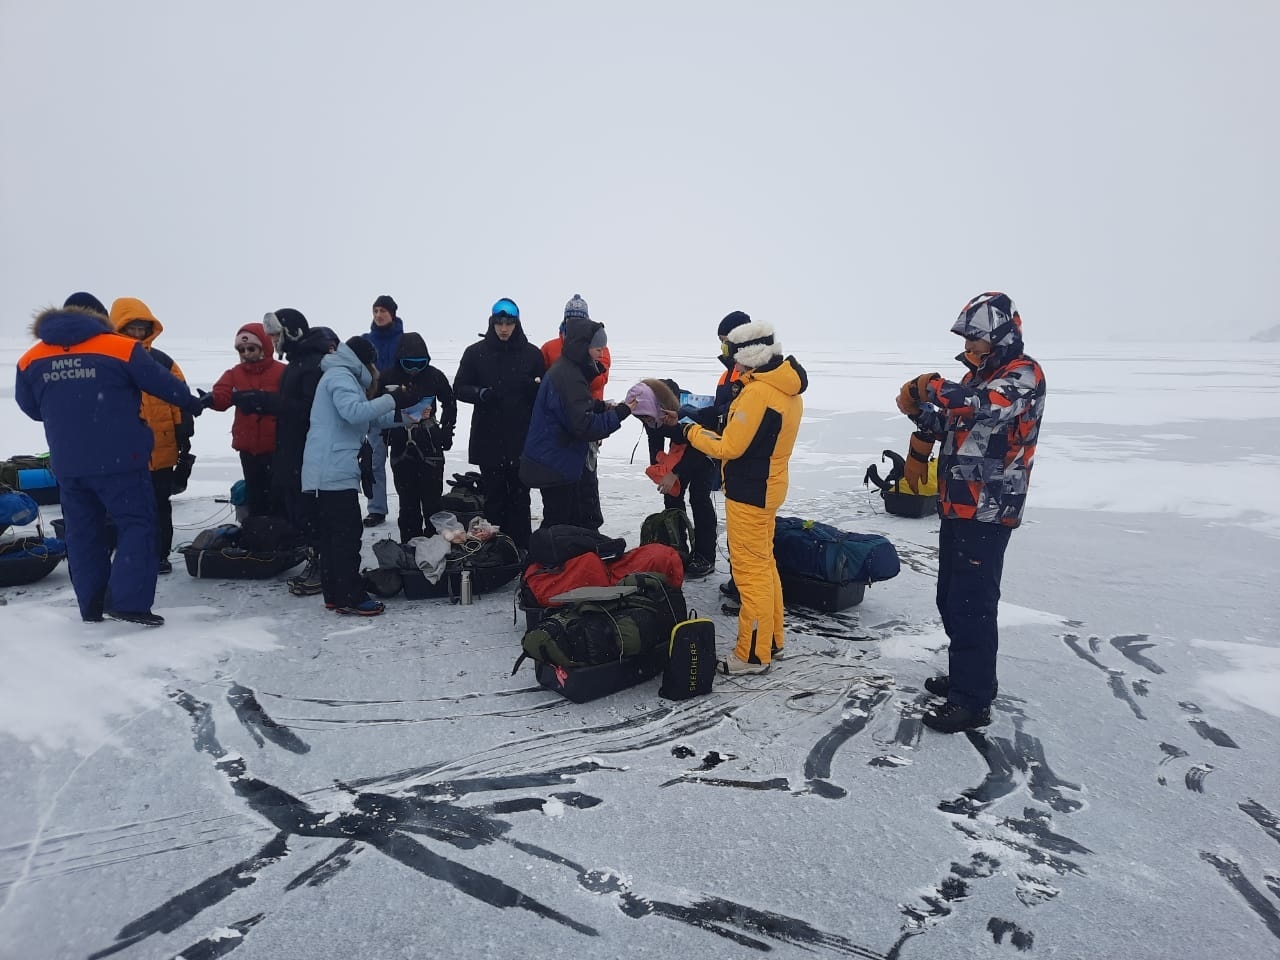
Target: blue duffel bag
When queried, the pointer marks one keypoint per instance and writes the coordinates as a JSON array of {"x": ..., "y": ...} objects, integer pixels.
[{"x": 819, "y": 551}]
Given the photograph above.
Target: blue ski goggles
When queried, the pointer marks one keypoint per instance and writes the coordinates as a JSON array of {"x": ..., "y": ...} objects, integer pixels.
[
  {"x": 414, "y": 364},
  {"x": 505, "y": 310}
]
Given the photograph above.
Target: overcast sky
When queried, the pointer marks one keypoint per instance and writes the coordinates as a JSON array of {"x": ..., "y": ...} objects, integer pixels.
[{"x": 846, "y": 169}]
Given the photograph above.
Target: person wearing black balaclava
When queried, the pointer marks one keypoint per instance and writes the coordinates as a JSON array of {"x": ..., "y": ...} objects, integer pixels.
[{"x": 418, "y": 444}]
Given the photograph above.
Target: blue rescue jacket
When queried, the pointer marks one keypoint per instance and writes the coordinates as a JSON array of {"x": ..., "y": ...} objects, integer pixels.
[{"x": 85, "y": 383}]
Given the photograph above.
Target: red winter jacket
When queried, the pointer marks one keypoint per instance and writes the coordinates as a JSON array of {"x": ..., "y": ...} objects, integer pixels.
[{"x": 251, "y": 433}]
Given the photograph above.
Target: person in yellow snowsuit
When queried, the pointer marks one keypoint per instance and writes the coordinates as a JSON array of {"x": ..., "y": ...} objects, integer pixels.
[{"x": 755, "y": 449}]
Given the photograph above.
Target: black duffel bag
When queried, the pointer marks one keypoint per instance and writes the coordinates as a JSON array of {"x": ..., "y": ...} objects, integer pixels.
[{"x": 221, "y": 553}]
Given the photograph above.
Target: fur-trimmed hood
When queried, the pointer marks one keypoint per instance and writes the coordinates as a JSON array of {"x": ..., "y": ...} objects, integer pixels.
[
  {"x": 67, "y": 326},
  {"x": 753, "y": 344}
]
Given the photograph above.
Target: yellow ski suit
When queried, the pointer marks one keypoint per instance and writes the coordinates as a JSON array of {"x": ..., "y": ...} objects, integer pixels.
[{"x": 755, "y": 449}]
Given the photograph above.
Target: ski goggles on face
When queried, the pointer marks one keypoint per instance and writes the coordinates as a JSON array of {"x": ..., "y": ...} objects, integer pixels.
[{"x": 414, "y": 364}]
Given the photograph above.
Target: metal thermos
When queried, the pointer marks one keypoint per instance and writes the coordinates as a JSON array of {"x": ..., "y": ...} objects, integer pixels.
[{"x": 464, "y": 589}]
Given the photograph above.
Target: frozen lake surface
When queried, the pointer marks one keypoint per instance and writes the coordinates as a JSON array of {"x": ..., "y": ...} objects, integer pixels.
[{"x": 263, "y": 777}]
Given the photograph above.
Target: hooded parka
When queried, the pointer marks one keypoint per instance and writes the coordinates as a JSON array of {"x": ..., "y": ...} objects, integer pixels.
[
  {"x": 500, "y": 377},
  {"x": 171, "y": 429},
  {"x": 341, "y": 415},
  {"x": 252, "y": 433},
  {"x": 988, "y": 422},
  {"x": 566, "y": 418}
]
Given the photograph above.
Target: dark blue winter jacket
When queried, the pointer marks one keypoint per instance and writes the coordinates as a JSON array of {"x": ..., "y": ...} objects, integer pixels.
[
  {"x": 566, "y": 418},
  {"x": 385, "y": 340},
  {"x": 85, "y": 383}
]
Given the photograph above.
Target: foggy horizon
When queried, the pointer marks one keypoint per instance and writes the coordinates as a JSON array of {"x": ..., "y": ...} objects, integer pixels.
[{"x": 843, "y": 172}]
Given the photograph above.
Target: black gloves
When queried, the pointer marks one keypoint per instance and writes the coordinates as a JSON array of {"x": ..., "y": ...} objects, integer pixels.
[
  {"x": 205, "y": 397},
  {"x": 622, "y": 410},
  {"x": 248, "y": 401},
  {"x": 446, "y": 437}
]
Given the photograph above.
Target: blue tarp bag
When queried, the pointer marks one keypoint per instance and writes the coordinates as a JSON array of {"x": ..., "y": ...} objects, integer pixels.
[
  {"x": 17, "y": 509},
  {"x": 812, "y": 549},
  {"x": 25, "y": 559}
]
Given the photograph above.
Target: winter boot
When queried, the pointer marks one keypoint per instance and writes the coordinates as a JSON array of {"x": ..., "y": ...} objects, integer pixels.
[
  {"x": 941, "y": 687},
  {"x": 307, "y": 583},
  {"x": 368, "y": 607},
  {"x": 938, "y": 686},
  {"x": 953, "y": 718},
  {"x": 731, "y": 666},
  {"x": 143, "y": 618},
  {"x": 698, "y": 567}
]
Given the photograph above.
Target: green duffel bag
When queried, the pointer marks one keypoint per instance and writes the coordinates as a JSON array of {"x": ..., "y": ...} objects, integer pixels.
[{"x": 625, "y": 621}]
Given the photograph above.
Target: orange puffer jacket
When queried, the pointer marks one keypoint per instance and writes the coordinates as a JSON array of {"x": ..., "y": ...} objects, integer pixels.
[{"x": 172, "y": 430}]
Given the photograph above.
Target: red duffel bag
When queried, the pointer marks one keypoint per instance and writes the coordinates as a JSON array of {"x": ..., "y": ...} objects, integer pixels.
[{"x": 649, "y": 558}]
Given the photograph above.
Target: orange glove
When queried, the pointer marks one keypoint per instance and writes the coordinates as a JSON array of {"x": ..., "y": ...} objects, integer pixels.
[
  {"x": 905, "y": 403},
  {"x": 919, "y": 450},
  {"x": 918, "y": 389}
]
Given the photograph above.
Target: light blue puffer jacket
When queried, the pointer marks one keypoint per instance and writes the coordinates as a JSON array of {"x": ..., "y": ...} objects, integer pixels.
[{"x": 340, "y": 418}]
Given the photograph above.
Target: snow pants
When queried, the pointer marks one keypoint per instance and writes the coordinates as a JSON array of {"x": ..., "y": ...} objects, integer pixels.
[
  {"x": 162, "y": 490},
  {"x": 699, "y": 489},
  {"x": 970, "y": 564},
  {"x": 339, "y": 532},
  {"x": 257, "y": 484},
  {"x": 565, "y": 503},
  {"x": 419, "y": 485},
  {"x": 128, "y": 581},
  {"x": 506, "y": 500},
  {"x": 378, "y": 498},
  {"x": 760, "y": 627}
]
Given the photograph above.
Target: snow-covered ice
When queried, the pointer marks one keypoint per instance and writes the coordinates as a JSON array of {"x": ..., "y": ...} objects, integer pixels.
[{"x": 263, "y": 777}]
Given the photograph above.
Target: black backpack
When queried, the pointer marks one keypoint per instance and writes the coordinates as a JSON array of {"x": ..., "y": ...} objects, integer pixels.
[
  {"x": 691, "y": 659},
  {"x": 465, "y": 497},
  {"x": 551, "y": 546}
]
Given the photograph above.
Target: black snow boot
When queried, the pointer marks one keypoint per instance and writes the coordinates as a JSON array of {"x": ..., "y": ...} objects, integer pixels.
[
  {"x": 143, "y": 618},
  {"x": 941, "y": 687},
  {"x": 938, "y": 686},
  {"x": 953, "y": 718}
]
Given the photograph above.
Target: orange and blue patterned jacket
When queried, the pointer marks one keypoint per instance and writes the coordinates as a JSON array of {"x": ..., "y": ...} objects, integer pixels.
[{"x": 989, "y": 421}]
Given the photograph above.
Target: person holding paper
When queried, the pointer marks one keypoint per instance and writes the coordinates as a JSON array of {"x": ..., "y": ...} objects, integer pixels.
[{"x": 418, "y": 444}]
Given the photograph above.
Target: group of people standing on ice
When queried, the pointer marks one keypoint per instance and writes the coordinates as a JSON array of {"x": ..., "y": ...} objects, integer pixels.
[{"x": 118, "y": 418}]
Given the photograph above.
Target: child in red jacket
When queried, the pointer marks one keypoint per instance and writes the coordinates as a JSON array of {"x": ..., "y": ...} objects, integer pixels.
[{"x": 252, "y": 386}]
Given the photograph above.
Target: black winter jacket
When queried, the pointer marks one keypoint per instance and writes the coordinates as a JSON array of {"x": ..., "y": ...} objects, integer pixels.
[
  {"x": 435, "y": 436},
  {"x": 293, "y": 408},
  {"x": 511, "y": 371}
]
